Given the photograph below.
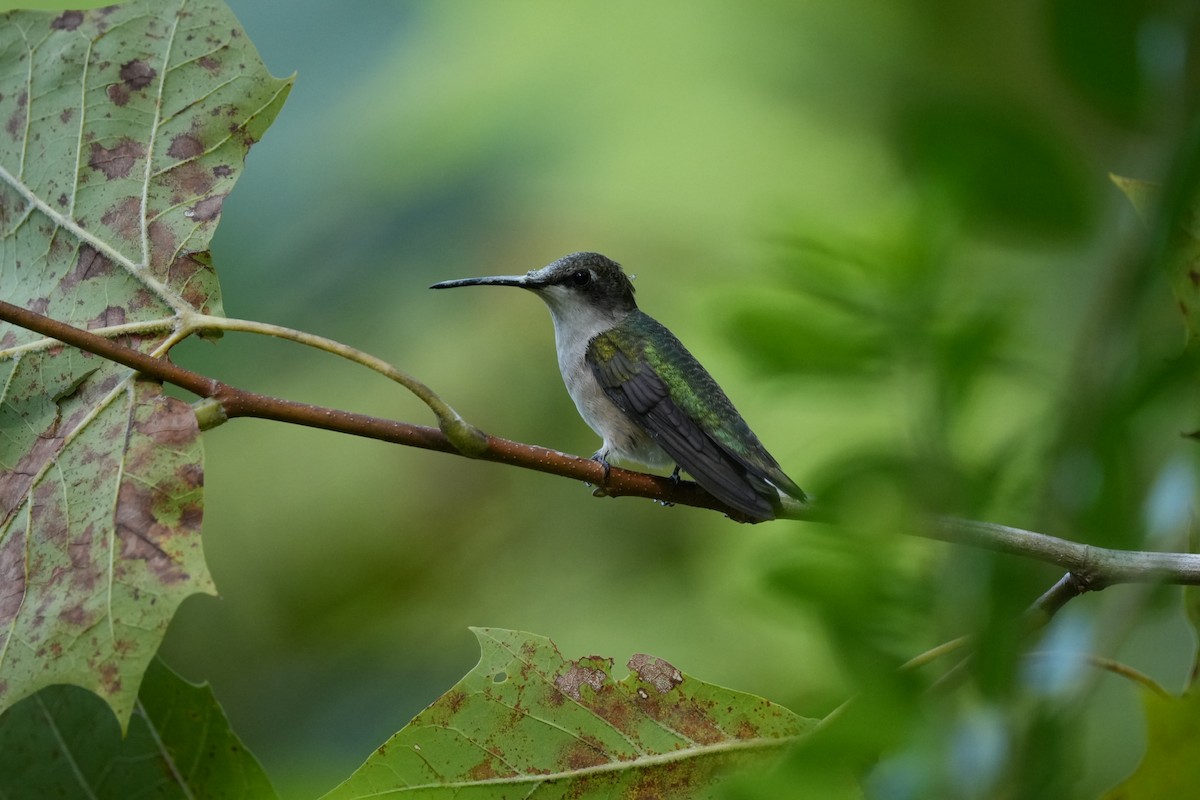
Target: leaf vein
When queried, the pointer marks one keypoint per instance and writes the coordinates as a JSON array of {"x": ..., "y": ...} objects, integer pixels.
[
  {"x": 152, "y": 142},
  {"x": 83, "y": 116},
  {"x": 645, "y": 762},
  {"x": 62, "y": 744},
  {"x": 164, "y": 753}
]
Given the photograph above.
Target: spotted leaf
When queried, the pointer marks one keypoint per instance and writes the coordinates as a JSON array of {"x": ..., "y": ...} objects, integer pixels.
[
  {"x": 527, "y": 723},
  {"x": 122, "y": 130}
]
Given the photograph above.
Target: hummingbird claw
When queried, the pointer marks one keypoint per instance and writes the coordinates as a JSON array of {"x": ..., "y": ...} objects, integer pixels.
[
  {"x": 599, "y": 458},
  {"x": 675, "y": 475}
]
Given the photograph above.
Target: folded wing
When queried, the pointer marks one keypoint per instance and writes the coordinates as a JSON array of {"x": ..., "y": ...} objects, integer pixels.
[{"x": 694, "y": 423}]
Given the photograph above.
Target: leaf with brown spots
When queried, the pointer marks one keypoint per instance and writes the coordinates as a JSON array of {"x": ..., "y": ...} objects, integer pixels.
[
  {"x": 116, "y": 154},
  {"x": 527, "y": 723},
  {"x": 179, "y": 743}
]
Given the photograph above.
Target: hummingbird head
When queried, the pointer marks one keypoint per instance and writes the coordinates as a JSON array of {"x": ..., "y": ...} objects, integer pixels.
[{"x": 581, "y": 289}]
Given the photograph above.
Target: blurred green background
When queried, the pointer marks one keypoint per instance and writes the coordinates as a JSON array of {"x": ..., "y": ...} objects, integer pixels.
[{"x": 887, "y": 229}]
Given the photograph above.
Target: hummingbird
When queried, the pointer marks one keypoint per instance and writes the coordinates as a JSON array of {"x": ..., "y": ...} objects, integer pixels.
[{"x": 638, "y": 387}]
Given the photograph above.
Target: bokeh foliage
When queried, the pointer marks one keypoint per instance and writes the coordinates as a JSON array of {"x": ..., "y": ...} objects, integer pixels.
[
  {"x": 889, "y": 232},
  {"x": 886, "y": 228}
]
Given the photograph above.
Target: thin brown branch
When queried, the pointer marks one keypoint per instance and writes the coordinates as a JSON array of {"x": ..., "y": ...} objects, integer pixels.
[
  {"x": 235, "y": 402},
  {"x": 1091, "y": 568}
]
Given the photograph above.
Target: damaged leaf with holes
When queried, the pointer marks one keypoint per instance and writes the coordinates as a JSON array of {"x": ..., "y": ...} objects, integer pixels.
[
  {"x": 122, "y": 130},
  {"x": 527, "y": 723}
]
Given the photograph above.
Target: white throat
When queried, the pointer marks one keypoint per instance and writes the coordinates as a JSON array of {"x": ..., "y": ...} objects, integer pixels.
[{"x": 576, "y": 322}]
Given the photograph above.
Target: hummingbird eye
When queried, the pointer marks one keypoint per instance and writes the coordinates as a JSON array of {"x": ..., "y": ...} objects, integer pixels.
[{"x": 581, "y": 278}]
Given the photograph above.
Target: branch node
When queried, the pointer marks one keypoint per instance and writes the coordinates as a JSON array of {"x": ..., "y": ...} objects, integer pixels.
[
  {"x": 209, "y": 413},
  {"x": 466, "y": 438}
]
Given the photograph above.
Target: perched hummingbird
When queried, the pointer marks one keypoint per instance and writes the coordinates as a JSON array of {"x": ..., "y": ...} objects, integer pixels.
[{"x": 637, "y": 386}]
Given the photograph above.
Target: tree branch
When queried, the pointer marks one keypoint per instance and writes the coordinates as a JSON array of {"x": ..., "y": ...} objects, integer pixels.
[
  {"x": 1089, "y": 568},
  {"x": 234, "y": 402}
]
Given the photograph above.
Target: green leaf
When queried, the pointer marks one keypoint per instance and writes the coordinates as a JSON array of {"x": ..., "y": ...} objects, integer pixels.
[
  {"x": 1142, "y": 194},
  {"x": 121, "y": 132},
  {"x": 1170, "y": 767},
  {"x": 1182, "y": 256},
  {"x": 64, "y": 742},
  {"x": 527, "y": 723}
]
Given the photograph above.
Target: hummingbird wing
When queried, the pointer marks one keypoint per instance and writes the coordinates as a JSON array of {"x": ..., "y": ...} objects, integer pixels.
[{"x": 658, "y": 384}]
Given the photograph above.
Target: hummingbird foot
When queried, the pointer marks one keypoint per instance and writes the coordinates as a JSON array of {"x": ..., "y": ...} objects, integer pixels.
[
  {"x": 675, "y": 479},
  {"x": 599, "y": 458}
]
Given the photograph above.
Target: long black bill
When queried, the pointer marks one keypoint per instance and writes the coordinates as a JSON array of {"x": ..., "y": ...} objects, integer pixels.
[{"x": 493, "y": 280}]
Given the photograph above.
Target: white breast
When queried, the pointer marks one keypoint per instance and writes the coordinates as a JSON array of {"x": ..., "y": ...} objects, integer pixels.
[{"x": 623, "y": 439}]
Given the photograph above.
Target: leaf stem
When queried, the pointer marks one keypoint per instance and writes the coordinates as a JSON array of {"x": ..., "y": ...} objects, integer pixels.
[
  {"x": 934, "y": 653},
  {"x": 110, "y": 331},
  {"x": 1128, "y": 672},
  {"x": 1120, "y": 669},
  {"x": 466, "y": 437}
]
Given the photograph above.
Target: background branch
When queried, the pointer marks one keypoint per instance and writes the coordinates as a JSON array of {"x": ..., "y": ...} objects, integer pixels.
[
  {"x": 1067, "y": 588},
  {"x": 1091, "y": 568}
]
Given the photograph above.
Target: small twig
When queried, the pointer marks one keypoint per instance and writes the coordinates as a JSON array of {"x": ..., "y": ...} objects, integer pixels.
[
  {"x": 466, "y": 437},
  {"x": 1067, "y": 588},
  {"x": 1117, "y": 668},
  {"x": 935, "y": 653},
  {"x": 1037, "y": 615},
  {"x": 1126, "y": 671}
]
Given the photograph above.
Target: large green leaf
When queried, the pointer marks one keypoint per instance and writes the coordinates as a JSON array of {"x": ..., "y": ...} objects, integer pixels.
[
  {"x": 1182, "y": 255},
  {"x": 121, "y": 132},
  {"x": 63, "y": 742},
  {"x": 1171, "y": 767},
  {"x": 526, "y": 723}
]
